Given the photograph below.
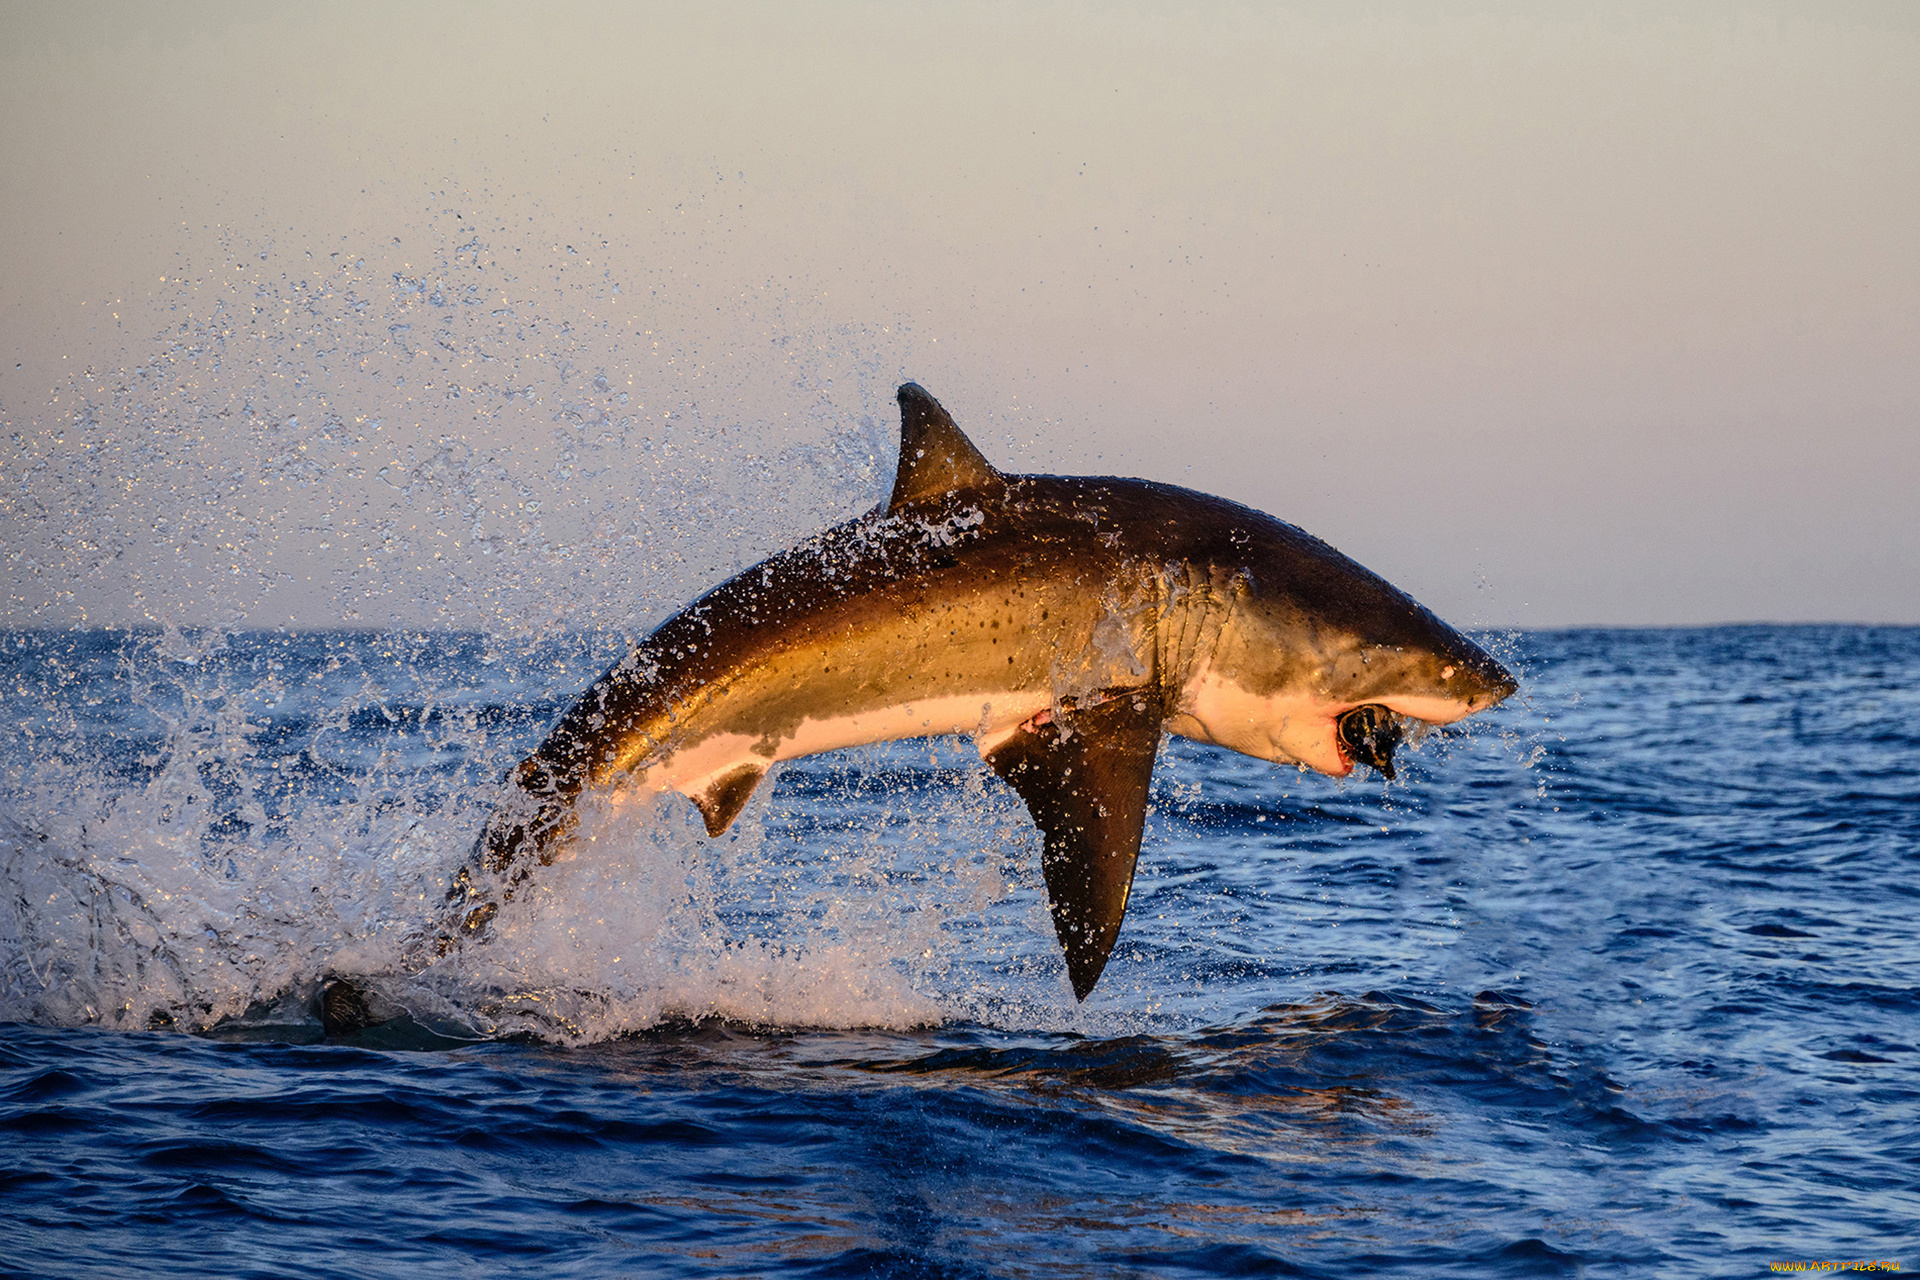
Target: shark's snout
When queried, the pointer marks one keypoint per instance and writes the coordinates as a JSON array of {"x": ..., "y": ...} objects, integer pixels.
[{"x": 1478, "y": 678}]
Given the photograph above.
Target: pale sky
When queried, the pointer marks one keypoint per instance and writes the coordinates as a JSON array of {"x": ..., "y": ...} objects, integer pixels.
[{"x": 514, "y": 315}]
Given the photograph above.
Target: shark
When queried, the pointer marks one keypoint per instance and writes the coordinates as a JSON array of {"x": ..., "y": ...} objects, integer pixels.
[{"x": 1066, "y": 623}]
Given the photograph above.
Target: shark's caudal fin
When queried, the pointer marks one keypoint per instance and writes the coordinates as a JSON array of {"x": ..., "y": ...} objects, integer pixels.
[
  {"x": 936, "y": 458},
  {"x": 1084, "y": 776}
]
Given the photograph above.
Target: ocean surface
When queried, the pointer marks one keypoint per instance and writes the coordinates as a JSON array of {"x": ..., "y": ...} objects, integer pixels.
[{"x": 1622, "y": 979}]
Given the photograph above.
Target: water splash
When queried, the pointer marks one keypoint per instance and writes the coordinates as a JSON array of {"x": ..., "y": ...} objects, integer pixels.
[
  {"x": 472, "y": 422},
  {"x": 206, "y": 822}
]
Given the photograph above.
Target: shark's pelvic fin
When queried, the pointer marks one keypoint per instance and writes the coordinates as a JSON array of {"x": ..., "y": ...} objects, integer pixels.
[
  {"x": 722, "y": 799},
  {"x": 1084, "y": 775},
  {"x": 936, "y": 458}
]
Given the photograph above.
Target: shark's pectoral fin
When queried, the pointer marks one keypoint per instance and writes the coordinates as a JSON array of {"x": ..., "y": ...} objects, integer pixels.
[
  {"x": 722, "y": 798},
  {"x": 1084, "y": 775}
]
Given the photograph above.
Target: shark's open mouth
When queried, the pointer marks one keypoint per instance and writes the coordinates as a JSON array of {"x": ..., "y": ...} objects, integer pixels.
[{"x": 1367, "y": 735}]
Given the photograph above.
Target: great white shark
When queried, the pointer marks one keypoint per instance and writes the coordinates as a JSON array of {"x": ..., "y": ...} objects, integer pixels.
[{"x": 1064, "y": 622}]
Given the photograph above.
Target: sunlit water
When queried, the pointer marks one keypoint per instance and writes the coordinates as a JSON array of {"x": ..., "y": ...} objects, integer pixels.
[{"x": 1619, "y": 980}]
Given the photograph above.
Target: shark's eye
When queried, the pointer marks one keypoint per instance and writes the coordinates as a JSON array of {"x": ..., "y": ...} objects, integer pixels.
[{"x": 1370, "y": 733}]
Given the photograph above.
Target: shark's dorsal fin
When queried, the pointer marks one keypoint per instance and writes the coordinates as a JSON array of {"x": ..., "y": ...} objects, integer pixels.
[
  {"x": 1084, "y": 775},
  {"x": 936, "y": 458}
]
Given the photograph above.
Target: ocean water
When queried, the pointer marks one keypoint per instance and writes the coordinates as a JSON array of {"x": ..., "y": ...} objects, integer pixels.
[{"x": 1619, "y": 980}]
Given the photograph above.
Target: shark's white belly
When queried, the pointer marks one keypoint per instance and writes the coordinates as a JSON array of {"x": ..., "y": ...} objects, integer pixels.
[{"x": 694, "y": 767}]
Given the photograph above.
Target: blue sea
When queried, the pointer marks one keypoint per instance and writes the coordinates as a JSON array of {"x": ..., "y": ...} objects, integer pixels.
[{"x": 1622, "y": 979}]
